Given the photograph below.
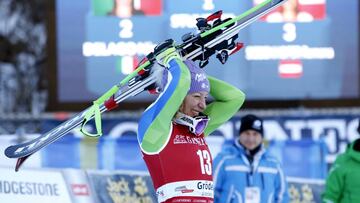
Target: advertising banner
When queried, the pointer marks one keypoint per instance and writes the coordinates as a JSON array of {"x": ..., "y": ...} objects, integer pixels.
[
  {"x": 323, "y": 136},
  {"x": 337, "y": 131},
  {"x": 32, "y": 186},
  {"x": 305, "y": 190},
  {"x": 78, "y": 186},
  {"x": 122, "y": 187}
]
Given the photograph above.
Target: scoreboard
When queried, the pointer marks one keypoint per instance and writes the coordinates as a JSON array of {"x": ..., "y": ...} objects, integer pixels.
[{"x": 306, "y": 49}]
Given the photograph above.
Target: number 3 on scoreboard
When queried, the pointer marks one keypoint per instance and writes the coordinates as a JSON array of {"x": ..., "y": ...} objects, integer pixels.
[{"x": 205, "y": 161}]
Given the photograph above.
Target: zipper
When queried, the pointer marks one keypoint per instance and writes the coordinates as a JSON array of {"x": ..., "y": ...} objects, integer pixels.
[{"x": 250, "y": 175}]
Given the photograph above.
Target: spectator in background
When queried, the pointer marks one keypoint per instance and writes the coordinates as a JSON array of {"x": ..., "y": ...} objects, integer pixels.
[
  {"x": 126, "y": 8},
  {"x": 244, "y": 172},
  {"x": 290, "y": 12},
  {"x": 343, "y": 183}
]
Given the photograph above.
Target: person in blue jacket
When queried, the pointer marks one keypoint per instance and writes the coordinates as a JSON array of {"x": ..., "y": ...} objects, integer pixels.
[{"x": 244, "y": 172}]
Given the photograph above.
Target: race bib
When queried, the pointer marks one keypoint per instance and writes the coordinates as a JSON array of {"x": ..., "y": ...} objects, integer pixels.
[{"x": 252, "y": 195}]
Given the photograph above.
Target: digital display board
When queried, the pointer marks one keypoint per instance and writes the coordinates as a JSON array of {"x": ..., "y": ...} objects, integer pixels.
[{"x": 304, "y": 50}]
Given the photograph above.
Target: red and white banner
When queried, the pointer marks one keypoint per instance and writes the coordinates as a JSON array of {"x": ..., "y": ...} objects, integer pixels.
[
  {"x": 290, "y": 69},
  {"x": 78, "y": 186}
]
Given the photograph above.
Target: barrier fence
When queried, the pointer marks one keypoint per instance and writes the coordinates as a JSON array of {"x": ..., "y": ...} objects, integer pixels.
[
  {"x": 111, "y": 169},
  {"x": 95, "y": 186}
]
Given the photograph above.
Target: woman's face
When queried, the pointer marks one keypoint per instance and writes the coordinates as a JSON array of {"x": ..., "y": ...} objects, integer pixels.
[
  {"x": 250, "y": 139},
  {"x": 194, "y": 103}
]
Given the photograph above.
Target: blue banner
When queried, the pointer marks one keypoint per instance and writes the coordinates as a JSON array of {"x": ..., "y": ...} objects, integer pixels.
[{"x": 304, "y": 145}]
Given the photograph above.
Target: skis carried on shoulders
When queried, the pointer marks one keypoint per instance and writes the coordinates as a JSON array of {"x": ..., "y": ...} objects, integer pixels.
[
  {"x": 115, "y": 95},
  {"x": 216, "y": 36}
]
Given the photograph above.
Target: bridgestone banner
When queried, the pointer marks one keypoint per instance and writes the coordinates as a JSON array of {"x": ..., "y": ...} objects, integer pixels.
[{"x": 32, "y": 186}]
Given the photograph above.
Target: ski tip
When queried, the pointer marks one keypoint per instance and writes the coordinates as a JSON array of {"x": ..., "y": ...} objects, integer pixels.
[
  {"x": 20, "y": 161},
  {"x": 8, "y": 152}
]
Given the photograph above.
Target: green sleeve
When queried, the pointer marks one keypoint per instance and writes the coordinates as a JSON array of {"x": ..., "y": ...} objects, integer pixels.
[
  {"x": 227, "y": 101},
  {"x": 334, "y": 183}
]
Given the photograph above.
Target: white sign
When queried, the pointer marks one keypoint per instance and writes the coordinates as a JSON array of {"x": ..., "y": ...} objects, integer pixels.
[{"x": 32, "y": 186}]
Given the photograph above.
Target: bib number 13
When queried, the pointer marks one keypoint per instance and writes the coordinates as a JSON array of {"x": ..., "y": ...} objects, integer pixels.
[{"x": 205, "y": 161}]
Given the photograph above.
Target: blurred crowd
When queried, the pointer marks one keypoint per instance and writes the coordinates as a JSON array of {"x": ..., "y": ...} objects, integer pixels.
[{"x": 23, "y": 39}]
